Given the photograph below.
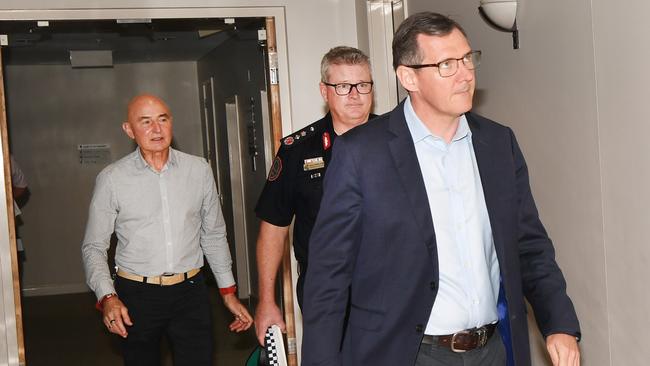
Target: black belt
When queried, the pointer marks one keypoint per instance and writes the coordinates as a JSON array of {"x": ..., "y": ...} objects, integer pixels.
[{"x": 465, "y": 340}]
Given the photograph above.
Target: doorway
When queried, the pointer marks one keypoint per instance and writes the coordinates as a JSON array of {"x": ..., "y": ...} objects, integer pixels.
[{"x": 64, "y": 109}]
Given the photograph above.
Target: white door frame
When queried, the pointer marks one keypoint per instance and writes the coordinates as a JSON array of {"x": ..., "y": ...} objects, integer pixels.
[
  {"x": 8, "y": 330},
  {"x": 383, "y": 19}
]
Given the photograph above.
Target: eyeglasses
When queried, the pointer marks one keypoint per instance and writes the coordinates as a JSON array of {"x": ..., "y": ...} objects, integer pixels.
[
  {"x": 449, "y": 67},
  {"x": 363, "y": 87}
]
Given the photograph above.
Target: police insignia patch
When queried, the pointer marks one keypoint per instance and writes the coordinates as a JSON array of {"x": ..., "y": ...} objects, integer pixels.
[
  {"x": 276, "y": 168},
  {"x": 327, "y": 142}
]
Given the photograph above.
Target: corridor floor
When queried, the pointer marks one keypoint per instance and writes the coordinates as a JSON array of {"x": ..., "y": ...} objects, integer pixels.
[{"x": 67, "y": 330}]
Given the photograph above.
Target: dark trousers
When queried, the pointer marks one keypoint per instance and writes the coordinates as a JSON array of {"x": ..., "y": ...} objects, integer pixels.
[
  {"x": 492, "y": 354},
  {"x": 180, "y": 312}
]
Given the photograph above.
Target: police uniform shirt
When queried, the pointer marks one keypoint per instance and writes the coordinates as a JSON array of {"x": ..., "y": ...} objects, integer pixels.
[{"x": 295, "y": 182}]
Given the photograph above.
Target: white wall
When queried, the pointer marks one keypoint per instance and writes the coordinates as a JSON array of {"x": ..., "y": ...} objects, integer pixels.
[
  {"x": 621, "y": 52},
  {"x": 546, "y": 91},
  {"x": 52, "y": 109},
  {"x": 313, "y": 27}
]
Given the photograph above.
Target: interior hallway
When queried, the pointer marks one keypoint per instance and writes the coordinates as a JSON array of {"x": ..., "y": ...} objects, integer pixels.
[{"x": 67, "y": 330}]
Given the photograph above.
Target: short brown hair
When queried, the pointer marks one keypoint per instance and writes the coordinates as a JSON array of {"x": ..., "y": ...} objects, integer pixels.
[
  {"x": 342, "y": 55},
  {"x": 405, "y": 40}
]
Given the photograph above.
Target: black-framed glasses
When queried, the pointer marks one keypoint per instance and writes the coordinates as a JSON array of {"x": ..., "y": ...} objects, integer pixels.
[
  {"x": 363, "y": 87},
  {"x": 449, "y": 67}
]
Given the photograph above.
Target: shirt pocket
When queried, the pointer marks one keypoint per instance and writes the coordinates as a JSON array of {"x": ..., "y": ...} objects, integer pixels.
[{"x": 311, "y": 189}]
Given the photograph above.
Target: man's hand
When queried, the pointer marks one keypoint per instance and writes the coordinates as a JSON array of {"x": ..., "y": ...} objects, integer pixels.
[
  {"x": 563, "y": 349},
  {"x": 266, "y": 315},
  {"x": 243, "y": 319},
  {"x": 116, "y": 316}
]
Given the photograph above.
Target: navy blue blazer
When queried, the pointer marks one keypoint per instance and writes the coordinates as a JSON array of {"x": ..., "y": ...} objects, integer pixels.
[{"x": 373, "y": 248}]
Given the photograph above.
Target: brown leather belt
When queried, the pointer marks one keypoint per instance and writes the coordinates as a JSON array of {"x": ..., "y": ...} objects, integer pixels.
[
  {"x": 465, "y": 340},
  {"x": 164, "y": 280}
]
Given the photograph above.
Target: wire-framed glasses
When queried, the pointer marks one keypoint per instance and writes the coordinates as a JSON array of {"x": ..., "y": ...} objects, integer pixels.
[{"x": 449, "y": 67}]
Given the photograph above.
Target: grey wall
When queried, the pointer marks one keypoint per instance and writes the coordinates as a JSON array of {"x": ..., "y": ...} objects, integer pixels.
[
  {"x": 52, "y": 109},
  {"x": 621, "y": 52},
  {"x": 547, "y": 92}
]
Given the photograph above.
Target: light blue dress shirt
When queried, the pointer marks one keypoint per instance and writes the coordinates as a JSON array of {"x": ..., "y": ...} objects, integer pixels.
[{"x": 467, "y": 262}]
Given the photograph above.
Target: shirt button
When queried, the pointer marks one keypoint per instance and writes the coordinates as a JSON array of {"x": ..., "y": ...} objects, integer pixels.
[
  {"x": 432, "y": 285},
  {"x": 419, "y": 328}
]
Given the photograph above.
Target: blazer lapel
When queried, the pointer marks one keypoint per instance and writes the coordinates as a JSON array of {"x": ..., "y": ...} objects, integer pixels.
[
  {"x": 487, "y": 159},
  {"x": 403, "y": 151}
]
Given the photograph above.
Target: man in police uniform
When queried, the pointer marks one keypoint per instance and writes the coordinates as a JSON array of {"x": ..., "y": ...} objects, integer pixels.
[{"x": 294, "y": 185}]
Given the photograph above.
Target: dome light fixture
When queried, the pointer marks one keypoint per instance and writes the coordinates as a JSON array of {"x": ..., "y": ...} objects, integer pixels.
[{"x": 502, "y": 15}]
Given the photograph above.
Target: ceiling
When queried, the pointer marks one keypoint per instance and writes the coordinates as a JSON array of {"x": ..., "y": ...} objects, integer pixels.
[{"x": 144, "y": 40}]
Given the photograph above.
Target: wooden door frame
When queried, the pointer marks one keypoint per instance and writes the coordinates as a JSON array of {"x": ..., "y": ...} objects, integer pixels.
[
  {"x": 10, "y": 301},
  {"x": 12, "y": 323}
]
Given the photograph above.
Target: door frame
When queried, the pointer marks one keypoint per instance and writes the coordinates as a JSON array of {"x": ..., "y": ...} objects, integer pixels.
[
  {"x": 11, "y": 333},
  {"x": 11, "y": 328}
]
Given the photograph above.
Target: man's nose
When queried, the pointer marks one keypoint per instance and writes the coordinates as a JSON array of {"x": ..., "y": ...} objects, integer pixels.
[
  {"x": 155, "y": 127},
  {"x": 354, "y": 92}
]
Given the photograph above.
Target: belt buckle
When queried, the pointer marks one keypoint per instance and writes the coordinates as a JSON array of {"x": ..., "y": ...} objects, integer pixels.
[
  {"x": 453, "y": 342},
  {"x": 482, "y": 336},
  {"x": 166, "y": 277}
]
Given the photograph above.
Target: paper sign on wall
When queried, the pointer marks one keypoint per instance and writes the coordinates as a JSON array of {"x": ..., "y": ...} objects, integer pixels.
[{"x": 94, "y": 154}]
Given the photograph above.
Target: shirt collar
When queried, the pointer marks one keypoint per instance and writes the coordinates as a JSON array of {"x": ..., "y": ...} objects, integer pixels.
[
  {"x": 329, "y": 126},
  {"x": 329, "y": 123},
  {"x": 419, "y": 131},
  {"x": 140, "y": 163}
]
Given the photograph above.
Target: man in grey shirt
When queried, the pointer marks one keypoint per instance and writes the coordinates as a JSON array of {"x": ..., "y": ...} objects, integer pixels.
[{"x": 163, "y": 206}]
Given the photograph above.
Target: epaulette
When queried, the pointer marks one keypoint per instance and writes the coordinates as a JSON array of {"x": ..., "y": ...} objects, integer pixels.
[{"x": 299, "y": 136}]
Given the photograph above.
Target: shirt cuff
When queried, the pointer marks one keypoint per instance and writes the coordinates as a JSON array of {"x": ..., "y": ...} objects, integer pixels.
[
  {"x": 104, "y": 289},
  {"x": 225, "y": 279}
]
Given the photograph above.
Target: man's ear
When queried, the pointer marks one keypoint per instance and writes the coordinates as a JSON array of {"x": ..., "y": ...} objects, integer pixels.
[
  {"x": 126, "y": 127},
  {"x": 407, "y": 78},
  {"x": 323, "y": 91}
]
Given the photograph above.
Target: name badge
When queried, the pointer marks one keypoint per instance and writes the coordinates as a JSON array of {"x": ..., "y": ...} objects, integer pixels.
[{"x": 313, "y": 163}]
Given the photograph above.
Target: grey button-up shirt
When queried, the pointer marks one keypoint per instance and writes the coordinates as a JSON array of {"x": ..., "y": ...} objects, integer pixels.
[{"x": 165, "y": 222}]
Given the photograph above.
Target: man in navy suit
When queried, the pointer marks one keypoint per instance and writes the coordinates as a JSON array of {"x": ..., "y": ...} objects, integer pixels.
[{"x": 428, "y": 238}]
